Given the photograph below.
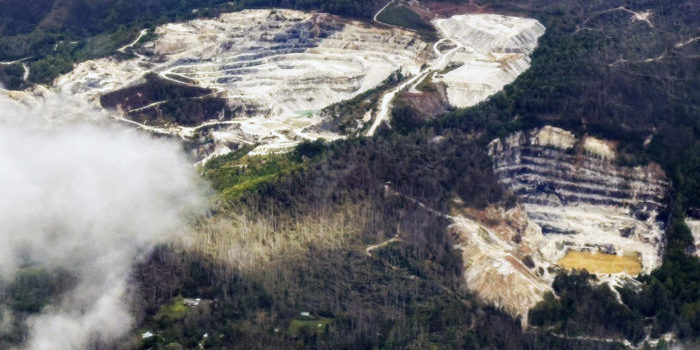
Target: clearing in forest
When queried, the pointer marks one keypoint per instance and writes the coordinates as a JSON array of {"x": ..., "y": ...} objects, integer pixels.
[{"x": 601, "y": 263}]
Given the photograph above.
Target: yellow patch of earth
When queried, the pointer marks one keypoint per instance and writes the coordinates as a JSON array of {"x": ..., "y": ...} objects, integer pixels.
[{"x": 601, "y": 263}]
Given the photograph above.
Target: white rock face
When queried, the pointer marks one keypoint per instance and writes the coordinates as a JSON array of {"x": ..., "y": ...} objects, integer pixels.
[
  {"x": 494, "y": 50},
  {"x": 492, "y": 32},
  {"x": 572, "y": 198},
  {"x": 552, "y": 137},
  {"x": 276, "y": 68},
  {"x": 493, "y": 260},
  {"x": 598, "y": 148},
  {"x": 694, "y": 226},
  {"x": 291, "y": 61},
  {"x": 276, "y": 65},
  {"x": 582, "y": 201}
]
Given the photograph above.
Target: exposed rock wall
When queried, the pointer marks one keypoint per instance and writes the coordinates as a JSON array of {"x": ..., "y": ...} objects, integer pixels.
[
  {"x": 290, "y": 60},
  {"x": 493, "y": 32},
  {"x": 495, "y": 49},
  {"x": 694, "y": 226},
  {"x": 572, "y": 197},
  {"x": 274, "y": 66},
  {"x": 581, "y": 200},
  {"x": 277, "y": 68},
  {"x": 502, "y": 261}
]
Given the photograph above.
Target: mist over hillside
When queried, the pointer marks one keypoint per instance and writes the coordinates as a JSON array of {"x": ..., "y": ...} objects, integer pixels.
[
  {"x": 312, "y": 174},
  {"x": 87, "y": 198}
]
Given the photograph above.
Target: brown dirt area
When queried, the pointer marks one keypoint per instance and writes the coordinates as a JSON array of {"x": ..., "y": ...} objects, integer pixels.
[{"x": 601, "y": 263}]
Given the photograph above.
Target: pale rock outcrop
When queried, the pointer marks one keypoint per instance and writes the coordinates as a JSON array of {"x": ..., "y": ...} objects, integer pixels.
[
  {"x": 496, "y": 258},
  {"x": 598, "y": 148},
  {"x": 277, "y": 68},
  {"x": 694, "y": 226},
  {"x": 582, "y": 200},
  {"x": 493, "y": 50},
  {"x": 272, "y": 65},
  {"x": 572, "y": 197},
  {"x": 549, "y": 136},
  {"x": 493, "y": 32}
]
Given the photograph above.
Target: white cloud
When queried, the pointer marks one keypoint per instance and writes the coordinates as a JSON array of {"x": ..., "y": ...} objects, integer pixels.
[{"x": 86, "y": 195}]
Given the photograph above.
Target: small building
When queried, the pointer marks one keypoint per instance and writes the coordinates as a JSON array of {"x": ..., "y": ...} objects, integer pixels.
[
  {"x": 192, "y": 302},
  {"x": 147, "y": 335}
]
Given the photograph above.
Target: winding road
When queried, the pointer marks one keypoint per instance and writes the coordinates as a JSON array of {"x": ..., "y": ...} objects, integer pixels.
[
  {"x": 438, "y": 64},
  {"x": 141, "y": 34}
]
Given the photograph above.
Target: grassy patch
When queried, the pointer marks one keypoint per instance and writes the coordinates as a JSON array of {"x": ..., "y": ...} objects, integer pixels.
[
  {"x": 173, "y": 311},
  {"x": 307, "y": 114},
  {"x": 310, "y": 325},
  {"x": 234, "y": 174},
  {"x": 268, "y": 172}
]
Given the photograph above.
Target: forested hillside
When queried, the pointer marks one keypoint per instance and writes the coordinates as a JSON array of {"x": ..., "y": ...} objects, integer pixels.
[
  {"x": 596, "y": 72},
  {"x": 602, "y": 70},
  {"x": 338, "y": 245}
]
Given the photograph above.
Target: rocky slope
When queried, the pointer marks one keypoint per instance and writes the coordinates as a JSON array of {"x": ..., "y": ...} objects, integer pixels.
[
  {"x": 501, "y": 256},
  {"x": 580, "y": 198},
  {"x": 576, "y": 208},
  {"x": 275, "y": 69},
  {"x": 494, "y": 50},
  {"x": 694, "y": 226},
  {"x": 271, "y": 66}
]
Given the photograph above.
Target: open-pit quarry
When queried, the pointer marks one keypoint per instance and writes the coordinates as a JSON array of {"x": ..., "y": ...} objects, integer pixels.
[
  {"x": 262, "y": 77},
  {"x": 582, "y": 200},
  {"x": 577, "y": 209},
  {"x": 265, "y": 75}
]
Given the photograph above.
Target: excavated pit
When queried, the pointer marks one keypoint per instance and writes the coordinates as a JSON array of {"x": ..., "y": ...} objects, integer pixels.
[
  {"x": 577, "y": 209},
  {"x": 502, "y": 260},
  {"x": 495, "y": 50},
  {"x": 272, "y": 67},
  {"x": 580, "y": 198},
  {"x": 275, "y": 70}
]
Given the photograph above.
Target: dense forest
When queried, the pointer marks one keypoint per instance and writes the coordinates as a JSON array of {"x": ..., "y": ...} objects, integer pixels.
[
  {"x": 171, "y": 102},
  {"x": 594, "y": 72}
]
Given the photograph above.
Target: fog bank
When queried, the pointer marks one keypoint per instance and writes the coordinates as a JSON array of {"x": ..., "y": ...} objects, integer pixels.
[{"x": 91, "y": 197}]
